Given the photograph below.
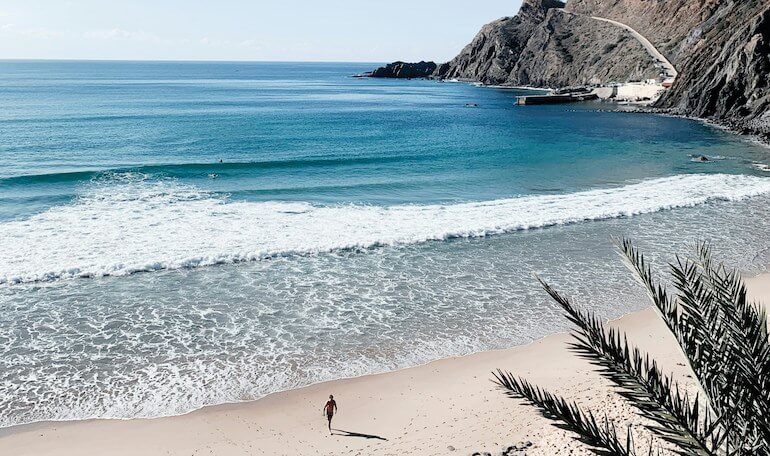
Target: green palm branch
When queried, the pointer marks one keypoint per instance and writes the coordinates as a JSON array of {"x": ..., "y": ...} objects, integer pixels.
[{"x": 724, "y": 338}]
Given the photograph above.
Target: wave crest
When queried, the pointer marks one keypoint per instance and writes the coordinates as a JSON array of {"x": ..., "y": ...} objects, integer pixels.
[{"x": 130, "y": 224}]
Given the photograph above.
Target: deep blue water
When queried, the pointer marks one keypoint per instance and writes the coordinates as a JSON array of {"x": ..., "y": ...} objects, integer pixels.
[
  {"x": 310, "y": 132},
  {"x": 141, "y": 276}
]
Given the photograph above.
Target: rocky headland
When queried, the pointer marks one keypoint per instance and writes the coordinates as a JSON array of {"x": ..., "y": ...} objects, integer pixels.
[
  {"x": 404, "y": 70},
  {"x": 721, "y": 49}
]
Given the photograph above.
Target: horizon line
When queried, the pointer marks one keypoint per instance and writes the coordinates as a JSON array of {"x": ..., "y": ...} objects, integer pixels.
[{"x": 12, "y": 59}]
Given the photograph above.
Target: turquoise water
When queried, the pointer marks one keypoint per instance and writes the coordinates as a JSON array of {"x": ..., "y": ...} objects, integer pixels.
[
  {"x": 309, "y": 132},
  {"x": 174, "y": 235}
]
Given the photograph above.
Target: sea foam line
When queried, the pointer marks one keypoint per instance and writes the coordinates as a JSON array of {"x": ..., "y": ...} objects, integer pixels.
[{"x": 131, "y": 225}]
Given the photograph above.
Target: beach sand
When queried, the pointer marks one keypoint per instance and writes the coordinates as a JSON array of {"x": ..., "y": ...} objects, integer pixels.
[{"x": 443, "y": 408}]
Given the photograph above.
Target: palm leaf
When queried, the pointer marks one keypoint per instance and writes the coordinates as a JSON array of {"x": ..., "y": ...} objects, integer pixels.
[
  {"x": 724, "y": 338},
  {"x": 602, "y": 438},
  {"x": 678, "y": 421}
]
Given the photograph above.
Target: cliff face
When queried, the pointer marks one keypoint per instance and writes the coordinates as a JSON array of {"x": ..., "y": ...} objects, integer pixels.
[
  {"x": 493, "y": 53},
  {"x": 546, "y": 46},
  {"x": 568, "y": 49},
  {"x": 721, "y": 49},
  {"x": 724, "y": 76},
  {"x": 666, "y": 23}
]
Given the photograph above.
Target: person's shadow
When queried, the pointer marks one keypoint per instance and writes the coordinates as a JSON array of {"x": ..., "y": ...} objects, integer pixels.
[{"x": 358, "y": 434}]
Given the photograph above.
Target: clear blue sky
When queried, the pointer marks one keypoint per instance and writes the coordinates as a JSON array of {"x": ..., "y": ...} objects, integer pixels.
[{"x": 293, "y": 30}]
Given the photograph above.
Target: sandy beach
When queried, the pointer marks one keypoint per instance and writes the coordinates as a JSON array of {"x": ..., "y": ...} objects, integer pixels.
[
  {"x": 445, "y": 407},
  {"x": 215, "y": 217}
]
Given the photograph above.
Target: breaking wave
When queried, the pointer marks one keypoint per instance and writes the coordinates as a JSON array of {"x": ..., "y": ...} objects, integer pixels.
[{"x": 131, "y": 223}]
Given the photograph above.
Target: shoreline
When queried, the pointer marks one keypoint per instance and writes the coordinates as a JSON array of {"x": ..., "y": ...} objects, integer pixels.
[
  {"x": 725, "y": 126},
  {"x": 447, "y": 406},
  {"x": 734, "y": 128}
]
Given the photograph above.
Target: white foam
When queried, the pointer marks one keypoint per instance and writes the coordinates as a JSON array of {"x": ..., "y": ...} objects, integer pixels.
[{"x": 133, "y": 224}]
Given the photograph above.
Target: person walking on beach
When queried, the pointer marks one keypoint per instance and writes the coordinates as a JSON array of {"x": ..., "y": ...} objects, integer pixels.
[{"x": 329, "y": 409}]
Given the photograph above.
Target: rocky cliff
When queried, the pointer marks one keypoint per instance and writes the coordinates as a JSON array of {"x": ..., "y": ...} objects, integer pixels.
[
  {"x": 493, "y": 53},
  {"x": 568, "y": 49},
  {"x": 666, "y": 23},
  {"x": 546, "y": 46},
  {"x": 721, "y": 49},
  {"x": 724, "y": 73}
]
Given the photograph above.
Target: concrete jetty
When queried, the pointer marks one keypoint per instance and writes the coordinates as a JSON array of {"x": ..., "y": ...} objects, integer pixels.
[{"x": 555, "y": 98}]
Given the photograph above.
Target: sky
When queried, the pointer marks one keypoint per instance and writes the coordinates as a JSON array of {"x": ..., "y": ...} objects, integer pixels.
[{"x": 270, "y": 30}]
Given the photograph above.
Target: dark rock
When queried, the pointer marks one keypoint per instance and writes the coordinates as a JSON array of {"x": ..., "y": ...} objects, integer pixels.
[
  {"x": 517, "y": 450},
  {"x": 493, "y": 53},
  {"x": 545, "y": 46},
  {"x": 404, "y": 70},
  {"x": 667, "y": 24},
  {"x": 720, "y": 48},
  {"x": 725, "y": 79}
]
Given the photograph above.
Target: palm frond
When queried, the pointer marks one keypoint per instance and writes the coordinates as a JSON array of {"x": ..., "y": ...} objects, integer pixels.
[
  {"x": 602, "y": 438},
  {"x": 746, "y": 350},
  {"x": 678, "y": 421},
  {"x": 722, "y": 335}
]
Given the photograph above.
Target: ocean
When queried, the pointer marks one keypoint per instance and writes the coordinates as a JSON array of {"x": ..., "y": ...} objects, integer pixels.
[{"x": 181, "y": 234}]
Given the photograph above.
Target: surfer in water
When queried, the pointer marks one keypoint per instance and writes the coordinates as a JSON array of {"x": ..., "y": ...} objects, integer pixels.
[{"x": 329, "y": 409}]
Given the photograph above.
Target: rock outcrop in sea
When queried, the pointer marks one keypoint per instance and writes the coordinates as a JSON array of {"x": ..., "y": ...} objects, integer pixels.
[
  {"x": 721, "y": 49},
  {"x": 404, "y": 70}
]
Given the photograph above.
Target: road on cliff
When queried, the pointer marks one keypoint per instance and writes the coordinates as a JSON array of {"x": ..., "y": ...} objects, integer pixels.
[{"x": 668, "y": 68}]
